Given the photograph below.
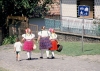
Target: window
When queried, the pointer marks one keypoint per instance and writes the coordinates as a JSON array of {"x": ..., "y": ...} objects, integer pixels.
[{"x": 88, "y": 3}]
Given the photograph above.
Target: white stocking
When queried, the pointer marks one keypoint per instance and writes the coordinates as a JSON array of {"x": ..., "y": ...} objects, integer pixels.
[
  {"x": 29, "y": 54},
  {"x": 47, "y": 52},
  {"x": 52, "y": 53},
  {"x": 42, "y": 51}
]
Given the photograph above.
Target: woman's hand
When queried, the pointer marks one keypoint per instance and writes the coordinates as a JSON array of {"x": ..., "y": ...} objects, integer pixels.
[
  {"x": 37, "y": 41},
  {"x": 22, "y": 40}
]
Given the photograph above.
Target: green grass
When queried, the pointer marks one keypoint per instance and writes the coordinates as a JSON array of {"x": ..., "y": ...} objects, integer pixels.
[
  {"x": 75, "y": 48},
  {"x": 3, "y": 69}
]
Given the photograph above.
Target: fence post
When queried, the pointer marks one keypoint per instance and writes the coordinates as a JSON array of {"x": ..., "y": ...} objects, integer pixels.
[{"x": 82, "y": 31}]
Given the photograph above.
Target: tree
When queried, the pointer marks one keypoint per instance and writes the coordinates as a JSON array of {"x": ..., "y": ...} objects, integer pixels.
[
  {"x": 28, "y": 8},
  {"x": 0, "y": 12}
]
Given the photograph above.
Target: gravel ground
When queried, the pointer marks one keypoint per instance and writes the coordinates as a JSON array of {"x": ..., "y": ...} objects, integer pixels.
[{"x": 60, "y": 63}]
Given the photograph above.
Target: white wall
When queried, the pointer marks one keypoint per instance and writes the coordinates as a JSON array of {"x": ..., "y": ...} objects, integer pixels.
[
  {"x": 97, "y": 8},
  {"x": 69, "y": 8}
]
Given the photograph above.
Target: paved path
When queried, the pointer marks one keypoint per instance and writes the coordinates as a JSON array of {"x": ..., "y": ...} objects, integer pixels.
[{"x": 61, "y": 63}]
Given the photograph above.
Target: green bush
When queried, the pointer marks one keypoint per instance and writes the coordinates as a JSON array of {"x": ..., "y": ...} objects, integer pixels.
[
  {"x": 97, "y": 24},
  {"x": 9, "y": 40}
]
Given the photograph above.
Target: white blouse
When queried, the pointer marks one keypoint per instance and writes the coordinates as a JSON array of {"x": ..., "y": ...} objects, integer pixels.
[
  {"x": 53, "y": 36},
  {"x": 26, "y": 36},
  {"x": 44, "y": 33}
]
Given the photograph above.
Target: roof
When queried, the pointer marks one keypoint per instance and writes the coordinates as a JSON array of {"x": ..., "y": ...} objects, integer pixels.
[{"x": 55, "y": 8}]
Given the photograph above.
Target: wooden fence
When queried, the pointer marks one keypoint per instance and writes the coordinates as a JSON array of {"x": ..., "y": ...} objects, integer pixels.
[
  {"x": 20, "y": 29},
  {"x": 34, "y": 29}
]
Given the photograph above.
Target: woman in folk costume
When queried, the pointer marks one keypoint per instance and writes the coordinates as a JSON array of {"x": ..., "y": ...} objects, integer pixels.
[
  {"x": 44, "y": 41},
  {"x": 53, "y": 38},
  {"x": 28, "y": 39}
]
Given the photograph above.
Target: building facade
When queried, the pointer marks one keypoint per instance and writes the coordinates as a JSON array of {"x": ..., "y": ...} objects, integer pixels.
[{"x": 70, "y": 8}]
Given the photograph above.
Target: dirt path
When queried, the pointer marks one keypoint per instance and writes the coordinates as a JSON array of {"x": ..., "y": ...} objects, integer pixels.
[{"x": 61, "y": 63}]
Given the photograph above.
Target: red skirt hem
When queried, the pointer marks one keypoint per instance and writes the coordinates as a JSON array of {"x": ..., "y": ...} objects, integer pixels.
[{"x": 54, "y": 45}]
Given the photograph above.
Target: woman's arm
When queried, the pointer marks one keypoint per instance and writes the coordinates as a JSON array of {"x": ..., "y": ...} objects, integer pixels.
[
  {"x": 22, "y": 40},
  {"x": 38, "y": 39}
]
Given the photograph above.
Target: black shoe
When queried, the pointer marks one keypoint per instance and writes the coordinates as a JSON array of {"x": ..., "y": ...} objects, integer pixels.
[
  {"x": 29, "y": 58},
  {"x": 19, "y": 60},
  {"x": 52, "y": 57},
  {"x": 41, "y": 57},
  {"x": 47, "y": 57}
]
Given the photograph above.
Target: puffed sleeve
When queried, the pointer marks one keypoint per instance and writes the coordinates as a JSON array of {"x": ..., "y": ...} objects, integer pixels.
[
  {"x": 39, "y": 33},
  {"x": 55, "y": 36},
  {"x": 23, "y": 35},
  {"x": 33, "y": 35},
  {"x": 48, "y": 33}
]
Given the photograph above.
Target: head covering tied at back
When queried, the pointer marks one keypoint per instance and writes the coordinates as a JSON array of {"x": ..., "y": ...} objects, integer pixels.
[
  {"x": 28, "y": 30},
  {"x": 51, "y": 30}
]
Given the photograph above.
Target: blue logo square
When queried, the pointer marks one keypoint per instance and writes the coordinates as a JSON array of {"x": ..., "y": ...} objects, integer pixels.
[{"x": 83, "y": 10}]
